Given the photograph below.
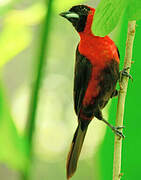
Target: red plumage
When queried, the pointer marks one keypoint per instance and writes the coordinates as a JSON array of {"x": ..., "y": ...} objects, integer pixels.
[
  {"x": 96, "y": 75},
  {"x": 99, "y": 51}
]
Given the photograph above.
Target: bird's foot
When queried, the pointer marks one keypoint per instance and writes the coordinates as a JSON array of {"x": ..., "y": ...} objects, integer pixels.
[
  {"x": 115, "y": 129},
  {"x": 125, "y": 73},
  {"x": 117, "y": 132}
]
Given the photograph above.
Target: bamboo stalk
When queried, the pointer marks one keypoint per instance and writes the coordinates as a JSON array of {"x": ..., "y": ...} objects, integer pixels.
[{"x": 121, "y": 100}]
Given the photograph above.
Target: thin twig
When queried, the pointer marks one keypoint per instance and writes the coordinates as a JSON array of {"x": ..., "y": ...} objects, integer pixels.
[{"x": 121, "y": 100}]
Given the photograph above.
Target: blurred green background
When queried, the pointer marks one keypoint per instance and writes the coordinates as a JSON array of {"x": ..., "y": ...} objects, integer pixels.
[{"x": 20, "y": 36}]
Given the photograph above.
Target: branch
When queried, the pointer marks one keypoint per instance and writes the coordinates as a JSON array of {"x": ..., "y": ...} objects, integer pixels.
[{"x": 121, "y": 100}]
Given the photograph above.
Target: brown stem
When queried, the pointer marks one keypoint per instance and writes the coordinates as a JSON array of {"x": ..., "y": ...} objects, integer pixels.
[{"x": 121, "y": 100}]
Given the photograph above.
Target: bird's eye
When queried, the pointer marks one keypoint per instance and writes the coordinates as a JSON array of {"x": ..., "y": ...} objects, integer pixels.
[{"x": 84, "y": 10}]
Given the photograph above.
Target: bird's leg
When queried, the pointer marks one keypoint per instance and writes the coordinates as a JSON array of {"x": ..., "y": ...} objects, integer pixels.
[
  {"x": 115, "y": 129},
  {"x": 98, "y": 115}
]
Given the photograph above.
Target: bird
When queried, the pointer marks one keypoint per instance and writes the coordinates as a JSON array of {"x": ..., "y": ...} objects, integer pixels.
[{"x": 96, "y": 74}]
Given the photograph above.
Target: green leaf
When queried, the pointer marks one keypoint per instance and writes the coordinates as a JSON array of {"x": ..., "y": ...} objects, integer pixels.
[
  {"x": 61, "y": 5},
  {"x": 107, "y": 16},
  {"x": 134, "y": 10},
  {"x": 13, "y": 148}
]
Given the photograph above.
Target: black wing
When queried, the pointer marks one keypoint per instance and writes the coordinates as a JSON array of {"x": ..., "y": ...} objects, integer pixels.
[
  {"x": 118, "y": 52},
  {"x": 82, "y": 75}
]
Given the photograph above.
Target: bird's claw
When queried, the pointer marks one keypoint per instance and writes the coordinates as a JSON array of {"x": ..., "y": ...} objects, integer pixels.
[
  {"x": 117, "y": 132},
  {"x": 116, "y": 129},
  {"x": 120, "y": 127},
  {"x": 125, "y": 73}
]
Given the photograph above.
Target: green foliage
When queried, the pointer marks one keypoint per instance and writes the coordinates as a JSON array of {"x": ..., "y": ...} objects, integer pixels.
[
  {"x": 14, "y": 38},
  {"x": 16, "y": 35},
  {"x": 132, "y": 144},
  {"x": 13, "y": 147},
  {"x": 108, "y": 14},
  {"x": 134, "y": 10}
]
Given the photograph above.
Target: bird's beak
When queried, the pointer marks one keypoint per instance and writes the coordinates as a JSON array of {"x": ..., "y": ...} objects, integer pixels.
[{"x": 68, "y": 15}]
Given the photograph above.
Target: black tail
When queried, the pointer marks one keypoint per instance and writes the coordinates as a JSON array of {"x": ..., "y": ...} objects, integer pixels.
[{"x": 75, "y": 150}]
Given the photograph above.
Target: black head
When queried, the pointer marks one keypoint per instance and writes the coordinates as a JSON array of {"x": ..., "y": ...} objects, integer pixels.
[{"x": 77, "y": 15}]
